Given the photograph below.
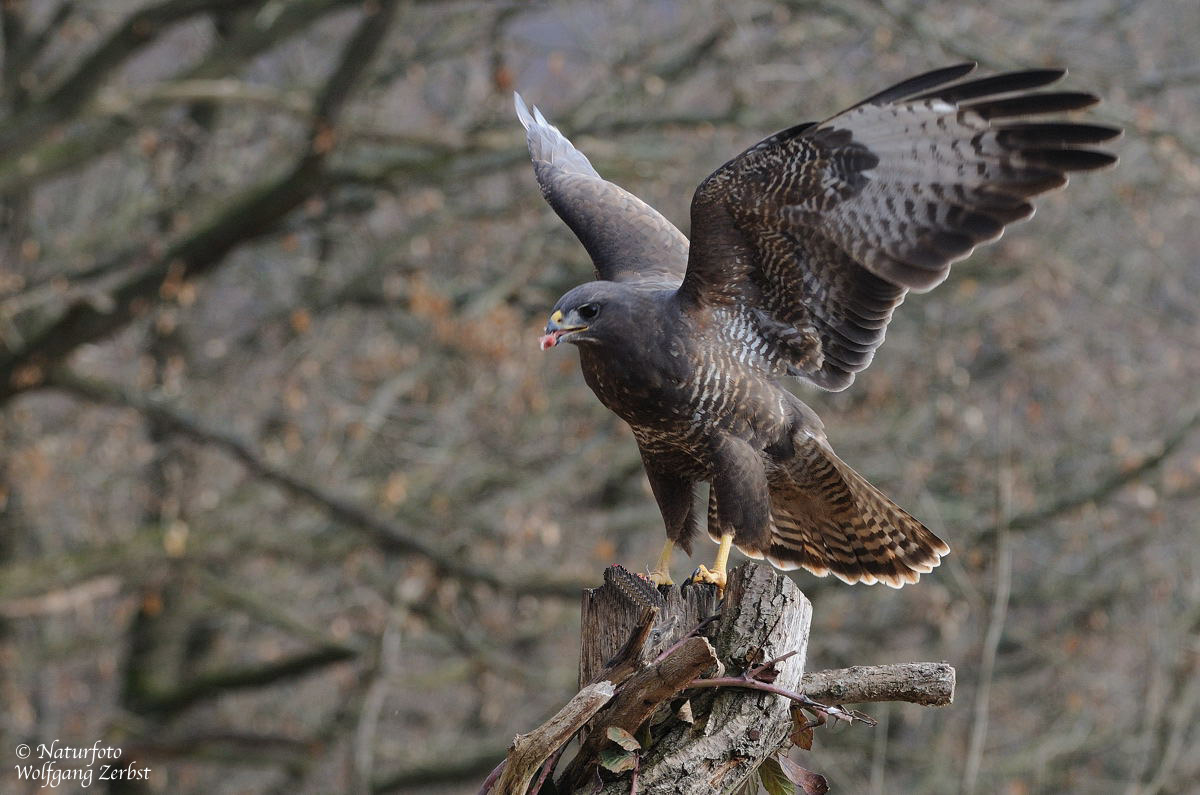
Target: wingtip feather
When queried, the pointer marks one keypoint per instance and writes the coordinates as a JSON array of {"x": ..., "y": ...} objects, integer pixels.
[
  {"x": 522, "y": 110},
  {"x": 1033, "y": 104},
  {"x": 919, "y": 83},
  {"x": 993, "y": 85},
  {"x": 530, "y": 116}
]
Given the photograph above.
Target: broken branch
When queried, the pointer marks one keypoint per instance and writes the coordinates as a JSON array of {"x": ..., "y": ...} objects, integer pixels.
[{"x": 529, "y": 751}]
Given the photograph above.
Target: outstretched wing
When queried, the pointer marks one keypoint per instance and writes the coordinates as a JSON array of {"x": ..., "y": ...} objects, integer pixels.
[
  {"x": 825, "y": 227},
  {"x": 627, "y": 239}
]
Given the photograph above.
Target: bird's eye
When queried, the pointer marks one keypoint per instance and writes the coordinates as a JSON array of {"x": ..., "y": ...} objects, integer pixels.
[{"x": 589, "y": 311}]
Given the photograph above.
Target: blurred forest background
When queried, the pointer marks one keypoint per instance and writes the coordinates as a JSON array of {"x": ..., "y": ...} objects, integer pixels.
[{"x": 291, "y": 502}]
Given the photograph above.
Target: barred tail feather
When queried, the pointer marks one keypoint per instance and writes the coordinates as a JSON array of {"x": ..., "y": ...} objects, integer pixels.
[
  {"x": 828, "y": 519},
  {"x": 833, "y": 520}
]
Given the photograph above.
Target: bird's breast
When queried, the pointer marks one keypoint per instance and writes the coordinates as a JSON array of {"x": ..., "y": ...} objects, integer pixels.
[
  {"x": 639, "y": 388},
  {"x": 676, "y": 401}
]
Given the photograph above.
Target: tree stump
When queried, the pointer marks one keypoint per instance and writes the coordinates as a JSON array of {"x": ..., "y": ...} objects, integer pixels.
[
  {"x": 687, "y": 701},
  {"x": 611, "y": 612},
  {"x": 715, "y": 739}
]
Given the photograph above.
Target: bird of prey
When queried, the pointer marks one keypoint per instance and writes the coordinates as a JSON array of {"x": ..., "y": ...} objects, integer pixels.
[{"x": 802, "y": 247}]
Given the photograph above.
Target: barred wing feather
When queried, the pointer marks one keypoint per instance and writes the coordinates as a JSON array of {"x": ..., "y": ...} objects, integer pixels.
[{"x": 829, "y": 225}]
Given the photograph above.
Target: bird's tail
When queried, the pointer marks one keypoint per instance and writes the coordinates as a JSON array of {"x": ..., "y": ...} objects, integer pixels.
[{"x": 828, "y": 519}]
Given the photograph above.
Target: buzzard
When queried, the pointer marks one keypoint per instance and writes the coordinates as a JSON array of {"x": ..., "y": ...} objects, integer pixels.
[{"x": 802, "y": 247}]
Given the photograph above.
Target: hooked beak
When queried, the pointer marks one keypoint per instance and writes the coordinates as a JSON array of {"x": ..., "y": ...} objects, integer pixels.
[{"x": 555, "y": 331}]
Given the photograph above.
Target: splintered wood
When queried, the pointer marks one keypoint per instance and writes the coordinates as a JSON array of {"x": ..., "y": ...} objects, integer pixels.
[
  {"x": 612, "y": 612},
  {"x": 763, "y": 616},
  {"x": 690, "y": 695}
]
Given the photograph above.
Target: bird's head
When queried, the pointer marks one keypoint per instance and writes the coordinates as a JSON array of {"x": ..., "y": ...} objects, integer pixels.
[{"x": 585, "y": 314}]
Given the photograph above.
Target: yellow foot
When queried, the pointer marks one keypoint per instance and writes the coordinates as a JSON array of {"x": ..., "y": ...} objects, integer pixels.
[
  {"x": 717, "y": 577},
  {"x": 662, "y": 572},
  {"x": 661, "y": 577}
]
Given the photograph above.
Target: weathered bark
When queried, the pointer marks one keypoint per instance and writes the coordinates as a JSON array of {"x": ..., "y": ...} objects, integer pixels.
[
  {"x": 637, "y": 701},
  {"x": 927, "y": 683},
  {"x": 529, "y": 751},
  {"x": 629, "y": 658},
  {"x": 763, "y": 616},
  {"x": 612, "y": 611},
  {"x": 690, "y": 685}
]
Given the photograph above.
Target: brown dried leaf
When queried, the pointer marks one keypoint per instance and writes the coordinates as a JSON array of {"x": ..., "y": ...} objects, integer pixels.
[
  {"x": 808, "y": 782},
  {"x": 802, "y": 732}
]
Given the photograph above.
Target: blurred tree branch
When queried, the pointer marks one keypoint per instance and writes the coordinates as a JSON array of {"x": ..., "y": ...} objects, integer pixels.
[
  {"x": 1177, "y": 717},
  {"x": 60, "y": 581},
  {"x": 1104, "y": 488},
  {"x": 385, "y": 533},
  {"x": 216, "y": 683},
  {"x": 137, "y": 31},
  {"x": 228, "y": 747},
  {"x": 94, "y": 136},
  {"x": 12, "y": 34},
  {"x": 27, "y": 48},
  {"x": 252, "y": 214},
  {"x": 458, "y": 766},
  {"x": 31, "y": 584},
  {"x": 263, "y": 610}
]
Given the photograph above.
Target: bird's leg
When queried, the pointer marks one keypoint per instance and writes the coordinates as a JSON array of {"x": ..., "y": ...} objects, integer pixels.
[
  {"x": 662, "y": 572},
  {"x": 739, "y": 501},
  {"x": 674, "y": 494},
  {"x": 716, "y": 575}
]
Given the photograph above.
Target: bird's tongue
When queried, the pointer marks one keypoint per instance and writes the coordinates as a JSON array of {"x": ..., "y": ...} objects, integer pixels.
[{"x": 548, "y": 341}]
